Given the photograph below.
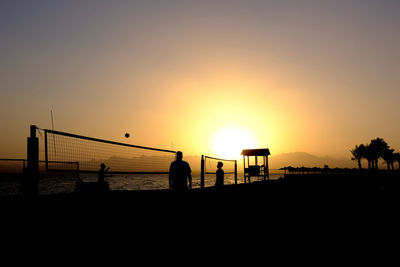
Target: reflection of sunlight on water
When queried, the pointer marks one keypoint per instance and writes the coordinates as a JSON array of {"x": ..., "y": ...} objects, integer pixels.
[{"x": 57, "y": 183}]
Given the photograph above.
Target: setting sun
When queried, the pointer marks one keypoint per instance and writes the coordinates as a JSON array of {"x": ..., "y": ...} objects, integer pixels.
[{"x": 229, "y": 142}]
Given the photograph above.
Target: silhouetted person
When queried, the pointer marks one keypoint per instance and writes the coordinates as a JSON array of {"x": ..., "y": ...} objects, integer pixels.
[
  {"x": 219, "y": 182},
  {"x": 102, "y": 185},
  {"x": 179, "y": 174},
  {"x": 102, "y": 173}
]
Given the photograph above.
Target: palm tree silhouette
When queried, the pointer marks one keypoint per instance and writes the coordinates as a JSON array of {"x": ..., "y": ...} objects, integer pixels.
[
  {"x": 369, "y": 156},
  {"x": 375, "y": 150},
  {"x": 358, "y": 154},
  {"x": 397, "y": 158},
  {"x": 388, "y": 156}
]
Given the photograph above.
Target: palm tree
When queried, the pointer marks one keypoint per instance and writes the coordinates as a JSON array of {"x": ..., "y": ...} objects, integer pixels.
[
  {"x": 377, "y": 147},
  {"x": 369, "y": 156},
  {"x": 358, "y": 154},
  {"x": 397, "y": 158},
  {"x": 389, "y": 157}
]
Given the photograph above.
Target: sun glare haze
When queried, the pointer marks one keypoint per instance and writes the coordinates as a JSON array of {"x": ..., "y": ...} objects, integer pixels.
[{"x": 228, "y": 142}]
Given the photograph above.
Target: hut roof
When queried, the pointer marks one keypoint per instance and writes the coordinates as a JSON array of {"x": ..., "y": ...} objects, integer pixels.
[{"x": 256, "y": 152}]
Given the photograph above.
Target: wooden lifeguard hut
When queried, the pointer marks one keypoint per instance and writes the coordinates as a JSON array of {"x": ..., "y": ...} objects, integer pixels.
[{"x": 256, "y": 163}]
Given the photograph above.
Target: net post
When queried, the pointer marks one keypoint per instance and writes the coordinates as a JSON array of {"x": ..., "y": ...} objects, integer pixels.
[
  {"x": 235, "y": 171},
  {"x": 202, "y": 172},
  {"x": 46, "y": 151},
  {"x": 31, "y": 173}
]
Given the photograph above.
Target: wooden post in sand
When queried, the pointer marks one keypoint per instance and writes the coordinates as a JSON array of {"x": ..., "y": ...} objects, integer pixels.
[
  {"x": 202, "y": 172},
  {"x": 235, "y": 171},
  {"x": 31, "y": 173}
]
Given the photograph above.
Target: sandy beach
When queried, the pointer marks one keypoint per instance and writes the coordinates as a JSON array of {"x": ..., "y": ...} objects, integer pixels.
[{"x": 290, "y": 202}]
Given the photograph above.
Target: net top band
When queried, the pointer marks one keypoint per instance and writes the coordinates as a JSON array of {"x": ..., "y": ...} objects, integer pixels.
[
  {"x": 233, "y": 160},
  {"x": 106, "y": 141}
]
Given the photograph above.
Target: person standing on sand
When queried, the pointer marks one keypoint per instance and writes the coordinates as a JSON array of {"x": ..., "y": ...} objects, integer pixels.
[
  {"x": 179, "y": 174},
  {"x": 102, "y": 185},
  {"x": 102, "y": 173},
  {"x": 219, "y": 182}
]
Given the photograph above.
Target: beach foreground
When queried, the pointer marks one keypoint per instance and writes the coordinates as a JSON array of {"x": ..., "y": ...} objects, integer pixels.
[{"x": 289, "y": 202}]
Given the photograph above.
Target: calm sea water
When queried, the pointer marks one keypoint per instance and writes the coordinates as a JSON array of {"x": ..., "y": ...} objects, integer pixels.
[{"x": 56, "y": 183}]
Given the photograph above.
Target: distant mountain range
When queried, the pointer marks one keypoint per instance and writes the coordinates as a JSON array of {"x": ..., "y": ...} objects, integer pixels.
[
  {"x": 299, "y": 159},
  {"x": 295, "y": 159}
]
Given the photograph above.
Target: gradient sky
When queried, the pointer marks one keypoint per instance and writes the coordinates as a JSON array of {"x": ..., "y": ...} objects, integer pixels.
[{"x": 313, "y": 76}]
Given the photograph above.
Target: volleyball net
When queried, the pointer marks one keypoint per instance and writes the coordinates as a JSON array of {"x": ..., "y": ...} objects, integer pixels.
[
  {"x": 89, "y": 153},
  {"x": 210, "y": 166}
]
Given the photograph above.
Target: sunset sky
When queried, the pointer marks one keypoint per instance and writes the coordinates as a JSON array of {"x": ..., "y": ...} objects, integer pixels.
[{"x": 204, "y": 77}]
